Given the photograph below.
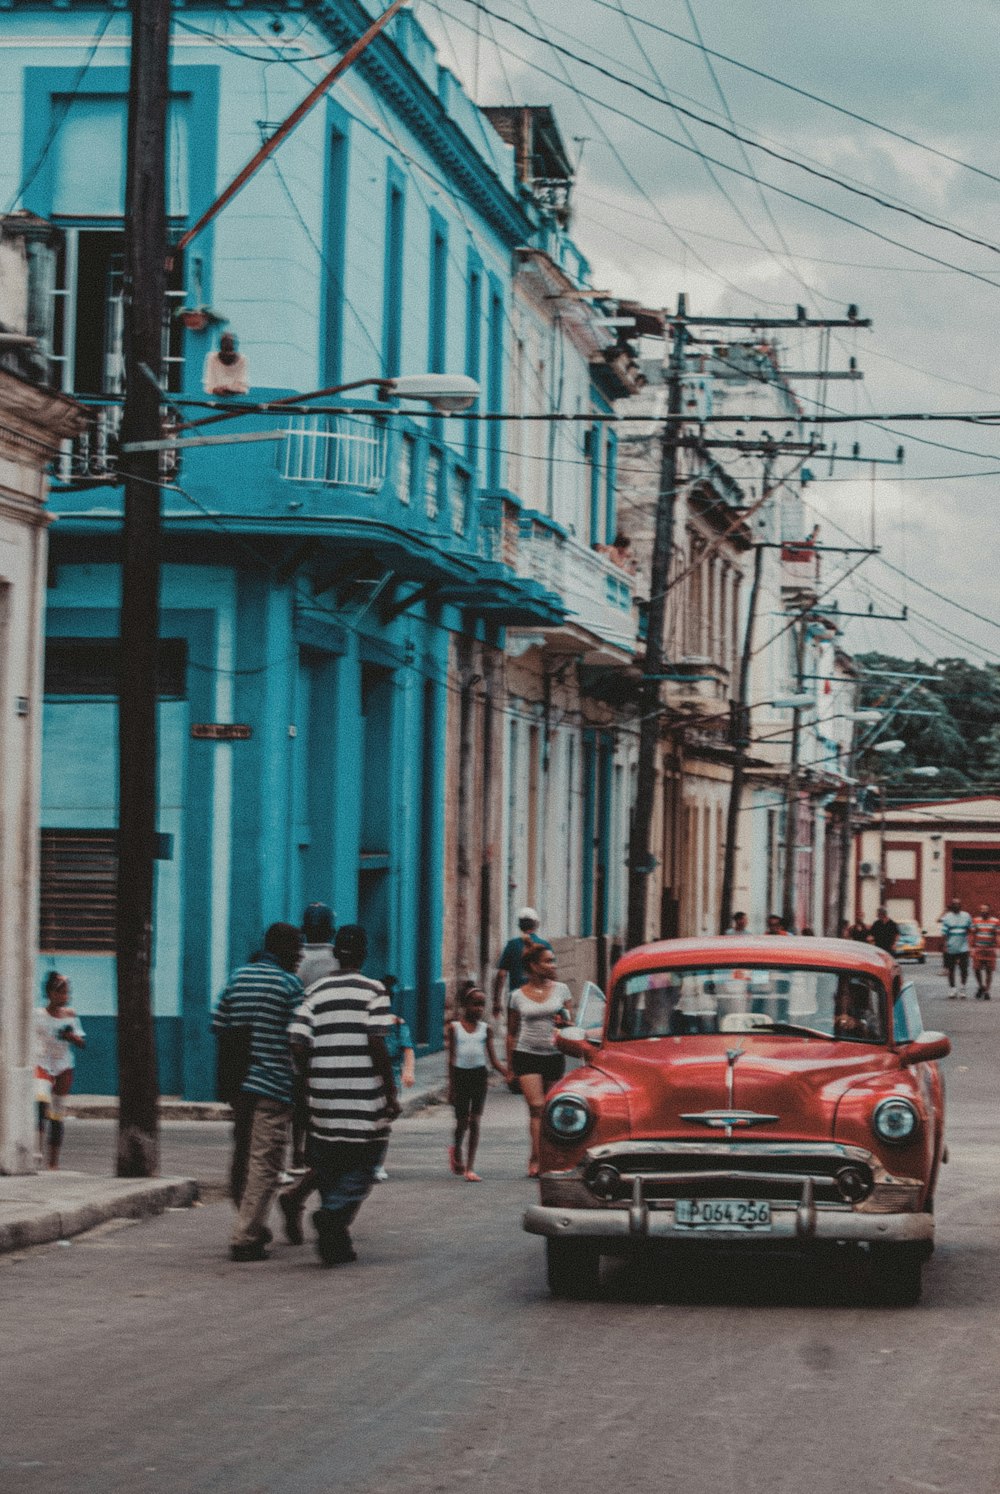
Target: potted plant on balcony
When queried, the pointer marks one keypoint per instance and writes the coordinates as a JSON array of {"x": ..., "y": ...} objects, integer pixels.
[{"x": 198, "y": 318}]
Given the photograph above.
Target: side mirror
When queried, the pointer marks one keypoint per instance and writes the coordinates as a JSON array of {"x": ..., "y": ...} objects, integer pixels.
[
  {"x": 576, "y": 1042},
  {"x": 925, "y": 1049}
]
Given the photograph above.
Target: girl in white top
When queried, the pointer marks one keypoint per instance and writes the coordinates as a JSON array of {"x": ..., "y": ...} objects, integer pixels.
[
  {"x": 536, "y": 1011},
  {"x": 57, "y": 1034},
  {"x": 470, "y": 1048}
]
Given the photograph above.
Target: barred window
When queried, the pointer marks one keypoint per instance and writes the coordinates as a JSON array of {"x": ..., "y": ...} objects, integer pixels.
[{"x": 78, "y": 873}]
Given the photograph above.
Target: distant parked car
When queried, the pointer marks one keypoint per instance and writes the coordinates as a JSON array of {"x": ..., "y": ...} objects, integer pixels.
[
  {"x": 910, "y": 943},
  {"x": 766, "y": 1092}
]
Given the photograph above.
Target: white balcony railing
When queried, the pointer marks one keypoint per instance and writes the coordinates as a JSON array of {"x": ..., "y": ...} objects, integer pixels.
[
  {"x": 339, "y": 451},
  {"x": 599, "y": 595},
  {"x": 93, "y": 455}
]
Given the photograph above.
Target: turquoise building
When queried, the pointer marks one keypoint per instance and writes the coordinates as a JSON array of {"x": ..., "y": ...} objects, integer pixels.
[{"x": 314, "y": 583}]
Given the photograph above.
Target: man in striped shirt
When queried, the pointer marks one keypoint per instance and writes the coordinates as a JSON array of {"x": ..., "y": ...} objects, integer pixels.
[
  {"x": 338, "y": 1045},
  {"x": 262, "y": 998}
]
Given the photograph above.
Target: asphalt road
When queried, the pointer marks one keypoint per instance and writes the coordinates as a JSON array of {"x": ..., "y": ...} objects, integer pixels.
[{"x": 140, "y": 1358}]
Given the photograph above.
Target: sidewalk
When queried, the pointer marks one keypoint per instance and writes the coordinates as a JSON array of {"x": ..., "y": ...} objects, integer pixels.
[
  {"x": 46, "y": 1206},
  {"x": 429, "y": 1089}
]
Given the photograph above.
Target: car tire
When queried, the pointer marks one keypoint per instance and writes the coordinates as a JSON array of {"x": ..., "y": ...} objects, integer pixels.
[
  {"x": 897, "y": 1274},
  {"x": 921, "y": 959},
  {"x": 573, "y": 1268}
]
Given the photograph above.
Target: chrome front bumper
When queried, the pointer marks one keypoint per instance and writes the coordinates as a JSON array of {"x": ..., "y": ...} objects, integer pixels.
[{"x": 802, "y": 1222}]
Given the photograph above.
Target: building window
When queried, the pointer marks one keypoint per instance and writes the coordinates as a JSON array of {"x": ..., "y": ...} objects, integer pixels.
[
  {"x": 438, "y": 300},
  {"x": 473, "y": 347},
  {"x": 404, "y": 471},
  {"x": 79, "y": 869},
  {"x": 333, "y": 259},
  {"x": 494, "y": 382},
  {"x": 432, "y": 484},
  {"x": 459, "y": 499},
  {"x": 392, "y": 301},
  {"x": 610, "y": 487},
  {"x": 89, "y": 666}
]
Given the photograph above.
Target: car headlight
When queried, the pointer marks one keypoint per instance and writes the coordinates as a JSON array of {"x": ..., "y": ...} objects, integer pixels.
[
  {"x": 568, "y": 1118},
  {"x": 895, "y": 1120}
]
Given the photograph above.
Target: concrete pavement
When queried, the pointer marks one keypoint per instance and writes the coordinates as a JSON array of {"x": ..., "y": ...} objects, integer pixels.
[
  {"x": 439, "y": 1364},
  {"x": 49, "y": 1206}
]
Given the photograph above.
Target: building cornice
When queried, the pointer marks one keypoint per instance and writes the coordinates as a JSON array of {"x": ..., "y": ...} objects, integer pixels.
[{"x": 385, "y": 67}]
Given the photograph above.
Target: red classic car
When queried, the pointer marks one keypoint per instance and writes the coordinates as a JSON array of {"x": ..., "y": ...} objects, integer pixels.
[{"x": 766, "y": 1091}]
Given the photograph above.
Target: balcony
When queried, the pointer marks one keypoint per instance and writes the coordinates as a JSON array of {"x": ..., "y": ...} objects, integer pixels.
[
  {"x": 92, "y": 457},
  {"x": 696, "y": 685},
  {"x": 596, "y": 594},
  {"x": 338, "y": 451},
  {"x": 369, "y": 492}
]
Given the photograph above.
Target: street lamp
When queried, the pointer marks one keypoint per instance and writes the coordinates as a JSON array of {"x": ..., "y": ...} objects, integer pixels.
[
  {"x": 926, "y": 772},
  {"x": 446, "y": 393},
  {"x": 889, "y": 748},
  {"x": 800, "y": 702},
  {"x": 865, "y": 716}
]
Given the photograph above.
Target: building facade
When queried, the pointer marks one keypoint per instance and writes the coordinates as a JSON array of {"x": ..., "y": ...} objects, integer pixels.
[
  {"x": 321, "y": 592},
  {"x": 33, "y": 422}
]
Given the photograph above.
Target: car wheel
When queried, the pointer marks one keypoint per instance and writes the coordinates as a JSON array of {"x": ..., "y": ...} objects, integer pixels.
[
  {"x": 897, "y": 1274},
  {"x": 573, "y": 1267},
  {"x": 921, "y": 959}
]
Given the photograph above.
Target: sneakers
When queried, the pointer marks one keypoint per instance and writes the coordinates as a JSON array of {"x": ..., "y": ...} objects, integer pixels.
[
  {"x": 255, "y": 1251},
  {"x": 380, "y": 1175},
  {"x": 292, "y": 1209},
  {"x": 333, "y": 1243}
]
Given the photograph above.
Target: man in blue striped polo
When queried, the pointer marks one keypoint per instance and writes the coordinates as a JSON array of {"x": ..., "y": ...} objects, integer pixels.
[
  {"x": 338, "y": 1043},
  {"x": 261, "y": 999}
]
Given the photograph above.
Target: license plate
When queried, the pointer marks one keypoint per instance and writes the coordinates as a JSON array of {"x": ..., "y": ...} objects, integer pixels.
[{"x": 722, "y": 1213}]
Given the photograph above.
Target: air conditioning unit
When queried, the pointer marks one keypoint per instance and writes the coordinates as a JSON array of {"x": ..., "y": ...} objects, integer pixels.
[{"x": 867, "y": 869}]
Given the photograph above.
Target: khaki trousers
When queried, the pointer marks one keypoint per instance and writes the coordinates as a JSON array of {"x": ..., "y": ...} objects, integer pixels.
[{"x": 268, "y": 1144}]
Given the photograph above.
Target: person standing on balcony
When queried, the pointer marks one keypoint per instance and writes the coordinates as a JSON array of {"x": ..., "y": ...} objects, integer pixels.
[
  {"x": 226, "y": 369},
  {"x": 510, "y": 966}
]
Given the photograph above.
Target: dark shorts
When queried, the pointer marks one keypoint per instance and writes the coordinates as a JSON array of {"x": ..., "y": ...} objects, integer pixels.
[
  {"x": 957, "y": 961},
  {"x": 468, "y": 1092},
  {"x": 550, "y": 1066}
]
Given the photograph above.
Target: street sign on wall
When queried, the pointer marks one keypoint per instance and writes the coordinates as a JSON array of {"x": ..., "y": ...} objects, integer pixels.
[{"x": 221, "y": 731}]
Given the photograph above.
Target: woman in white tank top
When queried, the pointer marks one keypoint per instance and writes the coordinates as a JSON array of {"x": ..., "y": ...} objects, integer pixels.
[
  {"x": 470, "y": 1048},
  {"x": 541, "y": 1006}
]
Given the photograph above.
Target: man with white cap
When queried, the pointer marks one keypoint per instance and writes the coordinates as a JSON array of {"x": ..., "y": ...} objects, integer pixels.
[{"x": 509, "y": 965}]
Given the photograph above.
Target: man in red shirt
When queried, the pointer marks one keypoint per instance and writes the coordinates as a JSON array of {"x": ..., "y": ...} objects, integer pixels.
[{"x": 984, "y": 936}]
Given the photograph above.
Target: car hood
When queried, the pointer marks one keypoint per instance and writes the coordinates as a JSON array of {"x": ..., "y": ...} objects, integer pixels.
[{"x": 799, "y": 1083}]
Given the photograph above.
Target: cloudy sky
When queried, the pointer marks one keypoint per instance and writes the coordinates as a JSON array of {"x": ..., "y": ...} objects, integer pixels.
[{"x": 655, "y": 219}]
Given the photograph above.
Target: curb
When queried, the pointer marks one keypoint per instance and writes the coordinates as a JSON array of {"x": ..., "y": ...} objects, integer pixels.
[
  {"x": 103, "y": 1108},
  {"x": 141, "y": 1201}
]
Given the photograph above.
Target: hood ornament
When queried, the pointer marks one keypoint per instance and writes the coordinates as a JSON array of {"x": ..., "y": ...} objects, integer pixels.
[{"x": 732, "y": 1054}]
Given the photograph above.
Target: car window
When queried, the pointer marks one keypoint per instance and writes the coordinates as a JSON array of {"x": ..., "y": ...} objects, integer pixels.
[
  {"x": 679, "y": 1002},
  {"x": 907, "y": 1022}
]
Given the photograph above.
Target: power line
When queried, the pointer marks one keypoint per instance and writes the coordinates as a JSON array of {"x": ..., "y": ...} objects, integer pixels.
[
  {"x": 745, "y": 140},
  {"x": 806, "y": 94}
]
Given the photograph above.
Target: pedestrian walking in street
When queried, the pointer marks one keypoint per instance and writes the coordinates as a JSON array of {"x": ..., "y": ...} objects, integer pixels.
[
  {"x": 775, "y": 924},
  {"x": 955, "y": 927},
  {"x": 318, "y": 959},
  {"x": 58, "y": 1035},
  {"x": 510, "y": 966},
  {"x": 338, "y": 1042},
  {"x": 884, "y": 931},
  {"x": 536, "y": 1010},
  {"x": 261, "y": 999},
  {"x": 739, "y": 924},
  {"x": 984, "y": 935},
  {"x": 399, "y": 1046},
  {"x": 470, "y": 1050},
  {"x": 858, "y": 931}
]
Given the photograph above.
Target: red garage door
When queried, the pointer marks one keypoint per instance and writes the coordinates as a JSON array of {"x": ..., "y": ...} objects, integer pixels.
[{"x": 974, "y": 875}]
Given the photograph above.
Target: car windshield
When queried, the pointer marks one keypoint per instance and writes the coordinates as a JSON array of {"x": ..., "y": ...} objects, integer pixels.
[{"x": 841, "y": 1004}]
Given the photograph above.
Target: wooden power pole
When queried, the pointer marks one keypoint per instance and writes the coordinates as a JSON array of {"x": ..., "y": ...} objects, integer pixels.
[
  {"x": 640, "y": 862},
  {"x": 139, "y": 627}
]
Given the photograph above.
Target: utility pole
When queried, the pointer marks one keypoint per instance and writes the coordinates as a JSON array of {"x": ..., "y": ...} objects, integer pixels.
[
  {"x": 640, "y": 857},
  {"x": 145, "y": 247},
  {"x": 792, "y": 791},
  {"x": 741, "y": 741},
  {"x": 640, "y": 862}
]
